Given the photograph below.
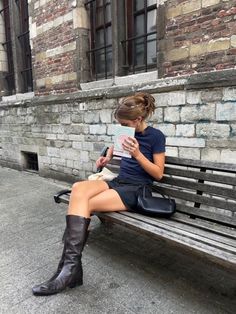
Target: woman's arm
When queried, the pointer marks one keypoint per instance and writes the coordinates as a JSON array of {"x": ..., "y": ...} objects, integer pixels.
[
  {"x": 104, "y": 160},
  {"x": 155, "y": 168}
]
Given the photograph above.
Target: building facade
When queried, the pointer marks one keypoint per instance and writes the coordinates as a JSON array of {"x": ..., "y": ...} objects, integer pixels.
[{"x": 63, "y": 65}]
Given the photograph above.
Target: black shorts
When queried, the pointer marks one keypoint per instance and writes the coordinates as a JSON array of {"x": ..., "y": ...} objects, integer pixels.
[{"x": 128, "y": 192}]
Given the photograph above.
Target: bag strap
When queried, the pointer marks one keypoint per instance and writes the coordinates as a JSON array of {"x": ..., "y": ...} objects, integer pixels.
[{"x": 159, "y": 191}]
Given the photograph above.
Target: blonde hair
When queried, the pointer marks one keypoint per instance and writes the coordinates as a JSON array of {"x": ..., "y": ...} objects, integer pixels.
[{"x": 138, "y": 105}]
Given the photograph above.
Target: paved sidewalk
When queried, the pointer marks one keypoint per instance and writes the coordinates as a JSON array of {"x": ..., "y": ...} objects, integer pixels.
[{"x": 123, "y": 271}]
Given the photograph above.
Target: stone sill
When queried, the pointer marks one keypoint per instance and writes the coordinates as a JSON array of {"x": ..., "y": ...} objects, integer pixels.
[
  {"x": 188, "y": 82},
  {"x": 17, "y": 98},
  {"x": 121, "y": 81}
]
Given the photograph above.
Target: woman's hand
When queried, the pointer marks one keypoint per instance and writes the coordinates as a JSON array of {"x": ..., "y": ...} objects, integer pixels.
[
  {"x": 102, "y": 161},
  {"x": 131, "y": 145}
]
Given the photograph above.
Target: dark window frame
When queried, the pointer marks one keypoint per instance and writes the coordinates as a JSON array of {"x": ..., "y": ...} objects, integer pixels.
[
  {"x": 10, "y": 76},
  {"x": 129, "y": 42},
  {"x": 97, "y": 50},
  {"x": 123, "y": 39},
  {"x": 19, "y": 78},
  {"x": 24, "y": 40}
]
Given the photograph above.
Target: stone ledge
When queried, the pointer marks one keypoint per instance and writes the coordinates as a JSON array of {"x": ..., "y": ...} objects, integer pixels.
[{"x": 194, "y": 81}]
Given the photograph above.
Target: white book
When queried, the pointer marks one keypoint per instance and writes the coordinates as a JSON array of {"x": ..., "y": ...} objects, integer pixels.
[{"x": 120, "y": 134}]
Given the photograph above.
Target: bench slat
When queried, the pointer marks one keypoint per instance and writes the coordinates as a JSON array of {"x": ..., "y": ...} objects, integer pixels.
[
  {"x": 187, "y": 196},
  {"x": 204, "y": 187},
  {"x": 205, "y": 176},
  {"x": 212, "y": 253},
  {"x": 227, "y": 232},
  {"x": 191, "y": 232},
  {"x": 231, "y": 168},
  {"x": 211, "y": 216}
]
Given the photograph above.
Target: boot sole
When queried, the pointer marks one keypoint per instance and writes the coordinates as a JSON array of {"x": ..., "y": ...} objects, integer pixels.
[{"x": 71, "y": 286}]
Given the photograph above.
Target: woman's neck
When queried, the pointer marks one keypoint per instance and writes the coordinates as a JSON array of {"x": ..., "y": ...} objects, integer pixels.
[{"x": 142, "y": 127}]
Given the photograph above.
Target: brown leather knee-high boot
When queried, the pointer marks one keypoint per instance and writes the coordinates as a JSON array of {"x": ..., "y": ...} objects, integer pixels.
[{"x": 71, "y": 273}]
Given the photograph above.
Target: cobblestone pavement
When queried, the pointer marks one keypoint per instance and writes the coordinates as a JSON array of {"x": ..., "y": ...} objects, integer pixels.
[{"x": 124, "y": 272}]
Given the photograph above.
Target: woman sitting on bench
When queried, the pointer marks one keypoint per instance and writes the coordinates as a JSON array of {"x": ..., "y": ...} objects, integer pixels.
[{"x": 147, "y": 149}]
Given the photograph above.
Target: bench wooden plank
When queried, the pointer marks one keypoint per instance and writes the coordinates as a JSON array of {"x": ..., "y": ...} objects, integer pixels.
[
  {"x": 227, "y": 232},
  {"x": 231, "y": 168},
  {"x": 224, "y": 257},
  {"x": 195, "y": 232},
  {"x": 199, "y": 175},
  {"x": 210, "y": 216},
  {"x": 196, "y": 198},
  {"x": 203, "y": 187}
]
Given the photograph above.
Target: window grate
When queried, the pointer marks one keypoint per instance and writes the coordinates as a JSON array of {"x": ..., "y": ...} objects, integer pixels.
[
  {"x": 140, "y": 44},
  {"x": 23, "y": 37},
  {"x": 9, "y": 77},
  {"x": 100, "y": 53}
]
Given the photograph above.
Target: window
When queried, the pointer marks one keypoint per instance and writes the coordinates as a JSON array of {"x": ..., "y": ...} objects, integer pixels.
[
  {"x": 17, "y": 46},
  {"x": 23, "y": 37},
  {"x": 100, "y": 54},
  {"x": 9, "y": 76},
  {"x": 130, "y": 23},
  {"x": 140, "y": 43}
]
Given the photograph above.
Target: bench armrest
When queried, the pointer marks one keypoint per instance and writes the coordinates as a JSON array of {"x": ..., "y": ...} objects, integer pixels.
[{"x": 60, "y": 193}]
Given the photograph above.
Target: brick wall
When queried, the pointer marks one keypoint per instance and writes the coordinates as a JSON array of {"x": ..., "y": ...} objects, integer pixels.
[
  {"x": 199, "y": 36},
  {"x": 68, "y": 133},
  {"x": 53, "y": 46}
]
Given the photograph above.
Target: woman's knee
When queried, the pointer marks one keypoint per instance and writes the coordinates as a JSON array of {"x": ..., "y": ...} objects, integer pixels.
[{"x": 80, "y": 188}]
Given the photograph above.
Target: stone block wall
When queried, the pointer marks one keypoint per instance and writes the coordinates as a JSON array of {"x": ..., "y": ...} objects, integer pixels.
[
  {"x": 199, "y": 36},
  {"x": 68, "y": 132}
]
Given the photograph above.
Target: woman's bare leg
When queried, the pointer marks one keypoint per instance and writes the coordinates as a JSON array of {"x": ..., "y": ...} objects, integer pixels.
[
  {"x": 107, "y": 201},
  {"x": 89, "y": 196},
  {"x": 80, "y": 195}
]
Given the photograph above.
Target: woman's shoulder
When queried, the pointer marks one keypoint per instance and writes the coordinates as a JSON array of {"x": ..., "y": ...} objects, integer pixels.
[{"x": 155, "y": 131}]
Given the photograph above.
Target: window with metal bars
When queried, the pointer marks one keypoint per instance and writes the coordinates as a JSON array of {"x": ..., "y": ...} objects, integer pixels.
[
  {"x": 134, "y": 29},
  {"x": 100, "y": 53},
  {"x": 23, "y": 37},
  {"x": 10, "y": 80},
  {"x": 140, "y": 44}
]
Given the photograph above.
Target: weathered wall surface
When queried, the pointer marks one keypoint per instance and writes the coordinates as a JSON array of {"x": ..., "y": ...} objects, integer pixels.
[
  {"x": 199, "y": 36},
  {"x": 55, "y": 35},
  {"x": 68, "y": 132},
  {"x": 193, "y": 36}
]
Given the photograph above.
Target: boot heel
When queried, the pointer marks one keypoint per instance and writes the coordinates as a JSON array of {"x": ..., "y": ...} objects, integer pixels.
[{"x": 76, "y": 283}]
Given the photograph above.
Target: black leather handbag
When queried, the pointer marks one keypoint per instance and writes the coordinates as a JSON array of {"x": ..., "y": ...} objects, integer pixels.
[{"x": 155, "y": 206}]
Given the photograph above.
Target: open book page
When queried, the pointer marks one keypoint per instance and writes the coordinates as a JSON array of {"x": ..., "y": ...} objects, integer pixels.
[{"x": 120, "y": 134}]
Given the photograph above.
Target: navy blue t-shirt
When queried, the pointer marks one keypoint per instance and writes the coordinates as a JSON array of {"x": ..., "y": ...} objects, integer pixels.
[{"x": 151, "y": 141}]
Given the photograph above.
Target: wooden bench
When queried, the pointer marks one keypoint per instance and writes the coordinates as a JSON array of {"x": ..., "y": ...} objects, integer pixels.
[{"x": 205, "y": 220}]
